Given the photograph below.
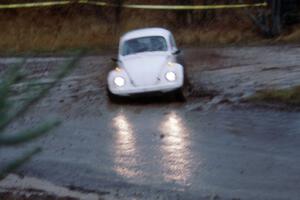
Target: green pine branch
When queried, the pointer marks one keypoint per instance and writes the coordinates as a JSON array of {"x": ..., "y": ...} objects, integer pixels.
[{"x": 8, "y": 114}]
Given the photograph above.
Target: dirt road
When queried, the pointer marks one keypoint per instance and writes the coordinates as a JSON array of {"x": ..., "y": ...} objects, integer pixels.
[{"x": 205, "y": 148}]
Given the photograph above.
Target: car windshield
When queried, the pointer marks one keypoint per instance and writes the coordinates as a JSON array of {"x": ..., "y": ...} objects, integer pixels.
[{"x": 144, "y": 44}]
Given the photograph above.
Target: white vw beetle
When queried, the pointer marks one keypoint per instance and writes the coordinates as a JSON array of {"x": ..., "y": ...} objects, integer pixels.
[{"x": 148, "y": 62}]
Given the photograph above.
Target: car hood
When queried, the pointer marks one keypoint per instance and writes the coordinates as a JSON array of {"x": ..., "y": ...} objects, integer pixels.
[{"x": 144, "y": 69}]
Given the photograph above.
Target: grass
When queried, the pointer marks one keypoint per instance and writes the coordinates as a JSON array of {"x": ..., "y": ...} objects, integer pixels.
[
  {"x": 73, "y": 27},
  {"x": 291, "y": 35},
  {"x": 289, "y": 96},
  {"x": 76, "y": 27},
  {"x": 50, "y": 31}
]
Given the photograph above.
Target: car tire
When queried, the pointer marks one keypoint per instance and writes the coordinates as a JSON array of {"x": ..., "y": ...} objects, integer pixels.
[
  {"x": 112, "y": 97},
  {"x": 180, "y": 94}
]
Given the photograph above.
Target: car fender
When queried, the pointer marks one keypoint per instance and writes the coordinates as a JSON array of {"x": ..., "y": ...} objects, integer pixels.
[
  {"x": 177, "y": 68},
  {"x": 115, "y": 73}
]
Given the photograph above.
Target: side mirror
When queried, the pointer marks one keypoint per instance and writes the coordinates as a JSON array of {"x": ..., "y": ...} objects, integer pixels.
[
  {"x": 114, "y": 59},
  {"x": 176, "y": 52}
]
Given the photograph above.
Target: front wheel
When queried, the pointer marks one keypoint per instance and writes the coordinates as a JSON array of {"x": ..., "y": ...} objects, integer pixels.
[
  {"x": 181, "y": 94},
  {"x": 112, "y": 97}
]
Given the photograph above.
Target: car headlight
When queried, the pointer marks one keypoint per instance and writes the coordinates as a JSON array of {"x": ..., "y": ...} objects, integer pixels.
[
  {"x": 170, "y": 76},
  {"x": 119, "y": 81}
]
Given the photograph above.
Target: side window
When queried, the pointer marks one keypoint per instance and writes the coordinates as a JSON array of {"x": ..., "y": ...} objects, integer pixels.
[{"x": 172, "y": 42}]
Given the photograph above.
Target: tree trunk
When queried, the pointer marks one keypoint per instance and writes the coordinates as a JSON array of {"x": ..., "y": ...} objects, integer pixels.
[
  {"x": 184, "y": 17},
  {"x": 276, "y": 17},
  {"x": 118, "y": 10}
]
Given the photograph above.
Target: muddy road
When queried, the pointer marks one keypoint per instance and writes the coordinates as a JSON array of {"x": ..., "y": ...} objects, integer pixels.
[{"x": 209, "y": 147}]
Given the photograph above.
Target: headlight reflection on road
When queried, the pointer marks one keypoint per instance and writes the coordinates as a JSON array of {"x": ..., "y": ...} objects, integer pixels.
[
  {"x": 175, "y": 150},
  {"x": 125, "y": 147}
]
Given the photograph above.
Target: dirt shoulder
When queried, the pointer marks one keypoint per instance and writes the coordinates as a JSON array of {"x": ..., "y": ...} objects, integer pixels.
[
  {"x": 14, "y": 187},
  {"x": 239, "y": 72}
]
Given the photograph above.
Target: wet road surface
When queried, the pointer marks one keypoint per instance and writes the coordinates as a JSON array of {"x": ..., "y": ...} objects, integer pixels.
[
  {"x": 247, "y": 154},
  {"x": 162, "y": 150}
]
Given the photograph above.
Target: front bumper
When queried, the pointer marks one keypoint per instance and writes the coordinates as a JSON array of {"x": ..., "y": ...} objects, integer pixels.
[{"x": 160, "y": 88}]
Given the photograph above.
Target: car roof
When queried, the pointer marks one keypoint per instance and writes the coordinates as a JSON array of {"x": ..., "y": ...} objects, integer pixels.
[{"x": 145, "y": 32}]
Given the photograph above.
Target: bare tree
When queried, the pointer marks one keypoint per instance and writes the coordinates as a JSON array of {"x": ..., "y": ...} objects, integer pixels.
[{"x": 184, "y": 17}]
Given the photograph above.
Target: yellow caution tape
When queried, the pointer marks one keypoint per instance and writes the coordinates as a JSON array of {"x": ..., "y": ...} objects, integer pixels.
[
  {"x": 35, "y": 4},
  {"x": 132, "y": 6},
  {"x": 193, "y": 7},
  {"x": 98, "y": 3}
]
